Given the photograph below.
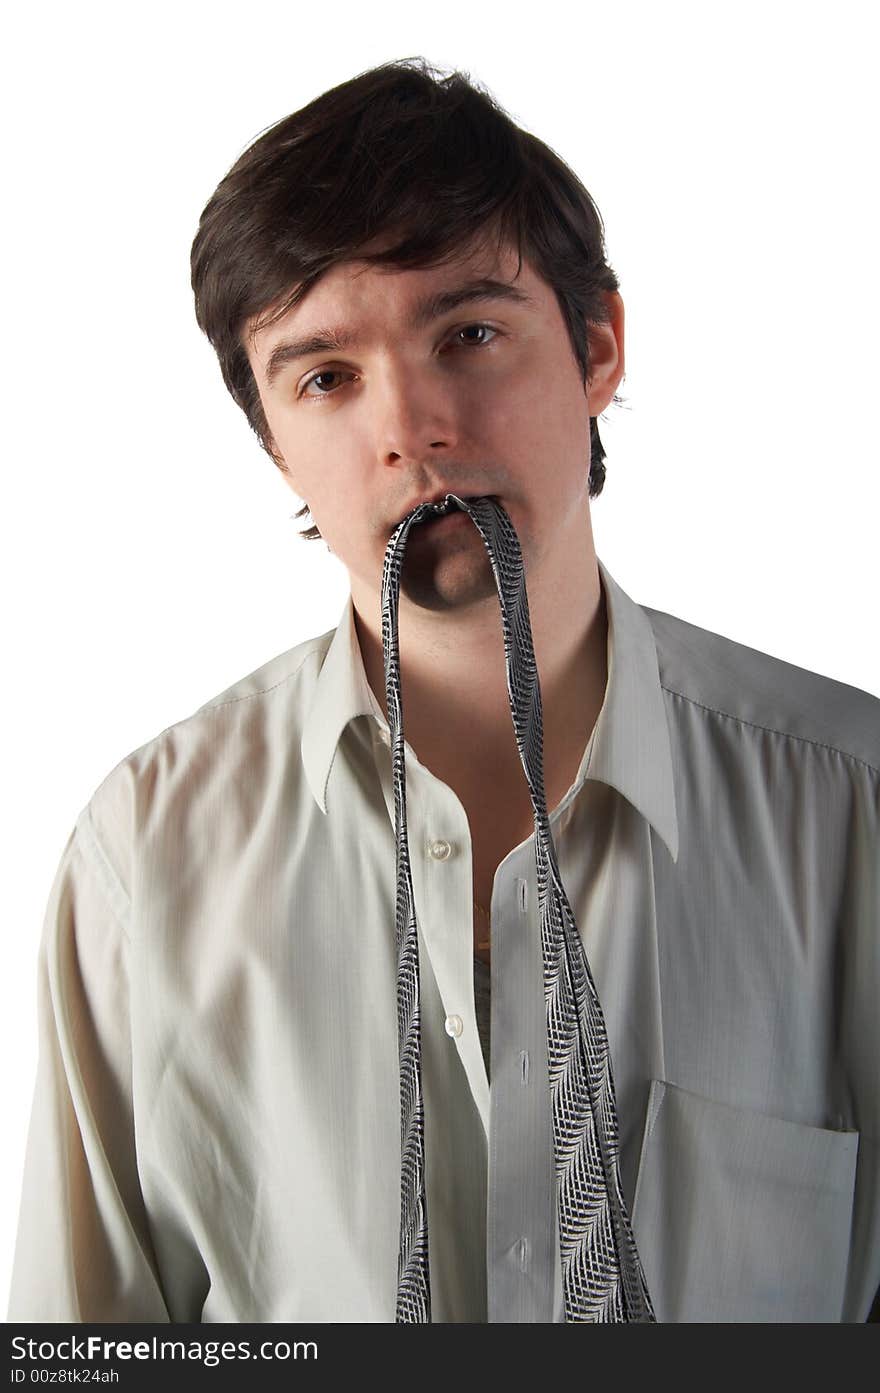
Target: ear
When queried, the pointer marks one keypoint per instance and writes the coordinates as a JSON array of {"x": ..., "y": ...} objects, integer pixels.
[{"x": 606, "y": 356}]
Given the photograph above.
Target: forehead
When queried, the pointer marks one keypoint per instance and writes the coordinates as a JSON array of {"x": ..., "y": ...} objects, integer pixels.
[{"x": 356, "y": 282}]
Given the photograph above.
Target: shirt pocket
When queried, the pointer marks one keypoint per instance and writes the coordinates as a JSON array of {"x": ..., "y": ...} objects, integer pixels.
[{"x": 740, "y": 1216}]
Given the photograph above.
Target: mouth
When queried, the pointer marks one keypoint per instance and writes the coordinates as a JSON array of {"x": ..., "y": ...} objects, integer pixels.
[
  {"x": 445, "y": 520},
  {"x": 445, "y": 514},
  {"x": 450, "y": 505}
]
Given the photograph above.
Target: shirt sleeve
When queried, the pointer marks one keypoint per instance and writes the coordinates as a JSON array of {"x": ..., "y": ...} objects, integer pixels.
[{"x": 83, "y": 1251}]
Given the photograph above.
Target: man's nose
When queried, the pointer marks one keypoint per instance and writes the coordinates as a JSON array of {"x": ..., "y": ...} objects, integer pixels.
[{"x": 415, "y": 413}]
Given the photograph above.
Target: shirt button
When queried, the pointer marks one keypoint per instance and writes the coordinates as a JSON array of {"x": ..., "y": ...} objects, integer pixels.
[
  {"x": 454, "y": 1025},
  {"x": 440, "y": 850}
]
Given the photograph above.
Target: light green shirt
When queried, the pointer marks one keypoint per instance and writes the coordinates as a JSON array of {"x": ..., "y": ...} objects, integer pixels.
[{"x": 215, "y": 1133}]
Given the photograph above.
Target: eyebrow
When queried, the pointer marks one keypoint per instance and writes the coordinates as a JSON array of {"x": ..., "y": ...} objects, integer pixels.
[{"x": 429, "y": 308}]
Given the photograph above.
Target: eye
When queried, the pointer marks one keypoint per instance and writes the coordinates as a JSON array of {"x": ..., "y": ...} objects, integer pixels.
[
  {"x": 332, "y": 372},
  {"x": 477, "y": 326},
  {"x": 316, "y": 377}
]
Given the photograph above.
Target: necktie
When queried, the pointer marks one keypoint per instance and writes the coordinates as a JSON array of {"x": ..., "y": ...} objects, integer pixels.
[{"x": 602, "y": 1276}]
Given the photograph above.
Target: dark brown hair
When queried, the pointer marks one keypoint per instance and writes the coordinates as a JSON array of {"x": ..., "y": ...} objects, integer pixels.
[{"x": 401, "y": 151}]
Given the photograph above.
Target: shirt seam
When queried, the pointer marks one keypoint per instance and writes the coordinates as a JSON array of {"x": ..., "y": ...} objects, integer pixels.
[
  {"x": 215, "y": 705},
  {"x": 94, "y": 854},
  {"x": 771, "y": 730}
]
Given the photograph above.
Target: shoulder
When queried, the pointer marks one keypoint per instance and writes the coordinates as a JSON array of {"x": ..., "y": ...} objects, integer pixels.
[
  {"x": 289, "y": 675},
  {"x": 228, "y": 747},
  {"x": 730, "y": 681}
]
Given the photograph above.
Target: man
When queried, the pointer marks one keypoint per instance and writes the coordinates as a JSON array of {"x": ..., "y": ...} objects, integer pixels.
[{"x": 216, "y": 1126}]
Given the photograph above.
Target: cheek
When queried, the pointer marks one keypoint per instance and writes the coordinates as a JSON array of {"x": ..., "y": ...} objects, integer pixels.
[
  {"x": 533, "y": 396},
  {"x": 546, "y": 413},
  {"x": 344, "y": 509}
]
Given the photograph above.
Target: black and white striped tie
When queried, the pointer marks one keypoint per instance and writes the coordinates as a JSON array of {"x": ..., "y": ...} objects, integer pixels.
[{"x": 602, "y": 1278}]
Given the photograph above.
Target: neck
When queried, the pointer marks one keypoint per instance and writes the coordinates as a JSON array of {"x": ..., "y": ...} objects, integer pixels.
[{"x": 457, "y": 715}]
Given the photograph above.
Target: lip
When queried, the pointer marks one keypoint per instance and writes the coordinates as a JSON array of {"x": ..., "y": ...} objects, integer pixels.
[{"x": 439, "y": 497}]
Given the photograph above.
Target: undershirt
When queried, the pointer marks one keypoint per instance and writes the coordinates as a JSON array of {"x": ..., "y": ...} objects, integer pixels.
[{"x": 482, "y": 985}]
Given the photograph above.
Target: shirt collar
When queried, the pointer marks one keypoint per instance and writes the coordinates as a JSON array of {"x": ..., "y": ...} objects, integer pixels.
[{"x": 629, "y": 749}]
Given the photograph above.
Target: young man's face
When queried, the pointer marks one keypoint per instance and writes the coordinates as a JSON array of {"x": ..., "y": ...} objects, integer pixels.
[{"x": 482, "y": 398}]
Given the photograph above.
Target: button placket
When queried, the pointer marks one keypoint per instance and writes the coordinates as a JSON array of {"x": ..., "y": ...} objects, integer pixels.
[
  {"x": 439, "y": 849},
  {"x": 438, "y": 842}
]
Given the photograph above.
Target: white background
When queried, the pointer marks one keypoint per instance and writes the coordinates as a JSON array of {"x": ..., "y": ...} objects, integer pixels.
[{"x": 149, "y": 553}]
